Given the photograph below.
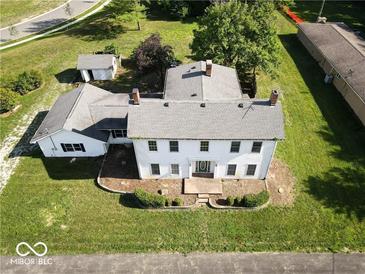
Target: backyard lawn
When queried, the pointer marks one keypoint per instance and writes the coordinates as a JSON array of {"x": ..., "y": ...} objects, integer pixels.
[
  {"x": 58, "y": 202},
  {"x": 13, "y": 11},
  {"x": 353, "y": 14}
]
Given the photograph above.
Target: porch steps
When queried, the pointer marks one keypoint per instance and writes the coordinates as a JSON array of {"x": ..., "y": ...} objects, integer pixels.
[{"x": 203, "y": 198}]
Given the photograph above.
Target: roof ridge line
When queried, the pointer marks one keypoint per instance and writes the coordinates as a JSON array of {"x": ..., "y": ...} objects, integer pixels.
[{"x": 81, "y": 87}]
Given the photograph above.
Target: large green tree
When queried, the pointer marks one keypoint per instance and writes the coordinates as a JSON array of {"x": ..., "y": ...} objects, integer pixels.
[{"x": 239, "y": 34}]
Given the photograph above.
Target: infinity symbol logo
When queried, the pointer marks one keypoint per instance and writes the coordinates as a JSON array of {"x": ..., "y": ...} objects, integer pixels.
[{"x": 31, "y": 249}]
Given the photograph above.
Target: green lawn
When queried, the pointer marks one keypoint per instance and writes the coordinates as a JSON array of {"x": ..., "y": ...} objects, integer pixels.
[
  {"x": 13, "y": 11},
  {"x": 350, "y": 12},
  {"x": 57, "y": 202}
]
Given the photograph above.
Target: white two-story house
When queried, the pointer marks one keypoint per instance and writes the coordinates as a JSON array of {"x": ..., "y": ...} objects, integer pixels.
[{"x": 203, "y": 127}]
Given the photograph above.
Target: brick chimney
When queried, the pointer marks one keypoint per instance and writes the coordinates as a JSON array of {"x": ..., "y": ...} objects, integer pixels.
[
  {"x": 274, "y": 97},
  {"x": 208, "y": 67},
  {"x": 135, "y": 96}
]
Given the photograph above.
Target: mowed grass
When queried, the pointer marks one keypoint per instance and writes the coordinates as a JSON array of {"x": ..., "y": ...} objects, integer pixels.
[
  {"x": 350, "y": 12},
  {"x": 14, "y": 11},
  {"x": 58, "y": 202}
]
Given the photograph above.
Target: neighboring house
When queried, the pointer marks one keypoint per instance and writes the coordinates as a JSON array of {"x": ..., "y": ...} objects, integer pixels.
[
  {"x": 341, "y": 54},
  {"x": 204, "y": 126},
  {"x": 97, "y": 66},
  {"x": 83, "y": 122}
]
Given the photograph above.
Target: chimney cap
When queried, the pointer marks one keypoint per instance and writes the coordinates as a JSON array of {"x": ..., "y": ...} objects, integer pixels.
[
  {"x": 135, "y": 90},
  {"x": 209, "y": 62}
]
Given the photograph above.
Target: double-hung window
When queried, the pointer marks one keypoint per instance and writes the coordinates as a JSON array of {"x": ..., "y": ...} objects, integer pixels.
[
  {"x": 155, "y": 169},
  {"x": 174, "y": 146},
  {"x": 235, "y": 146},
  {"x": 175, "y": 169},
  {"x": 152, "y": 145},
  {"x": 231, "y": 170},
  {"x": 72, "y": 147},
  {"x": 256, "y": 147},
  {"x": 119, "y": 133},
  {"x": 204, "y": 146},
  {"x": 251, "y": 169}
]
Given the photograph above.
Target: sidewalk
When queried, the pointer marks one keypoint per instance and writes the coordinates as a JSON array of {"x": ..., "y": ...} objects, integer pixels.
[
  {"x": 47, "y": 20},
  {"x": 253, "y": 263}
]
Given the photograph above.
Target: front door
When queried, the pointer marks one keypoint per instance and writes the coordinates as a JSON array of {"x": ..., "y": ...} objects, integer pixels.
[{"x": 202, "y": 167}]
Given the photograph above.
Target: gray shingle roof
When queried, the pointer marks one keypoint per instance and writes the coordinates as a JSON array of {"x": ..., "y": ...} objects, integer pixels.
[
  {"x": 84, "y": 110},
  {"x": 189, "y": 82},
  {"x": 217, "y": 120},
  {"x": 343, "y": 48},
  {"x": 95, "y": 61}
]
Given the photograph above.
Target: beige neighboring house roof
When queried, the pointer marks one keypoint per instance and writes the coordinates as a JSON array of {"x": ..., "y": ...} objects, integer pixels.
[{"x": 343, "y": 48}]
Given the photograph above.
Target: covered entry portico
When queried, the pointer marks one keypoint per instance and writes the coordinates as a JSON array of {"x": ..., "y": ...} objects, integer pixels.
[{"x": 202, "y": 168}]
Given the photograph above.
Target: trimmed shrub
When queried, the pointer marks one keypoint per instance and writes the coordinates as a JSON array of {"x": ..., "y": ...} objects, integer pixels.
[
  {"x": 230, "y": 200},
  {"x": 237, "y": 201},
  {"x": 149, "y": 199},
  {"x": 254, "y": 200},
  {"x": 111, "y": 49},
  {"x": 27, "y": 81},
  {"x": 177, "y": 202},
  {"x": 8, "y": 99}
]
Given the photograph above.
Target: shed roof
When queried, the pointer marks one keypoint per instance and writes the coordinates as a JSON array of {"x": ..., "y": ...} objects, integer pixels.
[
  {"x": 164, "y": 119},
  {"x": 85, "y": 110},
  {"x": 95, "y": 61},
  {"x": 343, "y": 48}
]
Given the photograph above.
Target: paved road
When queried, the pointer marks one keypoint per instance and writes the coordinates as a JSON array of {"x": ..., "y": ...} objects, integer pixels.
[
  {"x": 47, "y": 20},
  {"x": 323, "y": 263}
]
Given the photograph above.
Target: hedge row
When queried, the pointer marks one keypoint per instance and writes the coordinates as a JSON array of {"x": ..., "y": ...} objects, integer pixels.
[
  {"x": 249, "y": 200},
  {"x": 148, "y": 199},
  {"x": 8, "y": 99}
]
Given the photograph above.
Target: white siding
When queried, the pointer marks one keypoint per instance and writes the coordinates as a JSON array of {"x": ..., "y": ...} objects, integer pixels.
[
  {"x": 85, "y": 75},
  {"x": 102, "y": 74},
  {"x": 189, "y": 152},
  {"x": 51, "y": 146}
]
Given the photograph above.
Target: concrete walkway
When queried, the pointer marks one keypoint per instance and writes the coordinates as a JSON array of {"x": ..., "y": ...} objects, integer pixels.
[
  {"x": 46, "y": 20},
  {"x": 324, "y": 263}
]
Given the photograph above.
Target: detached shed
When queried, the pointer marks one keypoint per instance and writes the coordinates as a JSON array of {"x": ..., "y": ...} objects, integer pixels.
[{"x": 97, "y": 66}]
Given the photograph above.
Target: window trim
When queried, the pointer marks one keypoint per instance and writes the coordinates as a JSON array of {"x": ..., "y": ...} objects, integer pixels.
[
  {"x": 177, "y": 146},
  {"x": 253, "y": 146},
  {"x": 254, "y": 172},
  {"x": 159, "y": 170},
  {"x": 67, "y": 147},
  {"x": 150, "y": 145},
  {"x": 235, "y": 169},
  {"x": 178, "y": 169},
  {"x": 201, "y": 145},
  {"x": 239, "y": 147}
]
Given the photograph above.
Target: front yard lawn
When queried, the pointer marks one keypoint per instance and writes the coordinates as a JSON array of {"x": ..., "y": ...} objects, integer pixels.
[{"x": 58, "y": 202}]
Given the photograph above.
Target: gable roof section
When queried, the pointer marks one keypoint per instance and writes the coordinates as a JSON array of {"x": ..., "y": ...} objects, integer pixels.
[
  {"x": 84, "y": 110},
  {"x": 342, "y": 48},
  {"x": 95, "y": 61},
  {"x": 217, "y": 120},
  {"x": 189, "y": 82}
]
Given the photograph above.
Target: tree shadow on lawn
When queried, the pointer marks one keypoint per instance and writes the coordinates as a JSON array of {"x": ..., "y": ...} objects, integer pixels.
[
  {"x": 97, "y": 27},
  {"x": 344, "y": 133},
  {"x": 57, "y": 168}
]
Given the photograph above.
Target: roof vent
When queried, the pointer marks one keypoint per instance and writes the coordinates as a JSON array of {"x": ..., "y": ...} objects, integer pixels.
[
  {"x": 193, "y": 95},
  {"x": 208, "y": 67},
  {"x": 274, "y": 97},
  {"x": 166, "y": 104},
  {"x": 240, "y": 105},
  {"x": 202, "y": 105}
]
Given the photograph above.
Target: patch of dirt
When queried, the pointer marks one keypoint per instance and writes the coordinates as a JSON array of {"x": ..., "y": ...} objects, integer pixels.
[
  {"x": 174, "y": 187},
  {"x": 280, "y": 177}
]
